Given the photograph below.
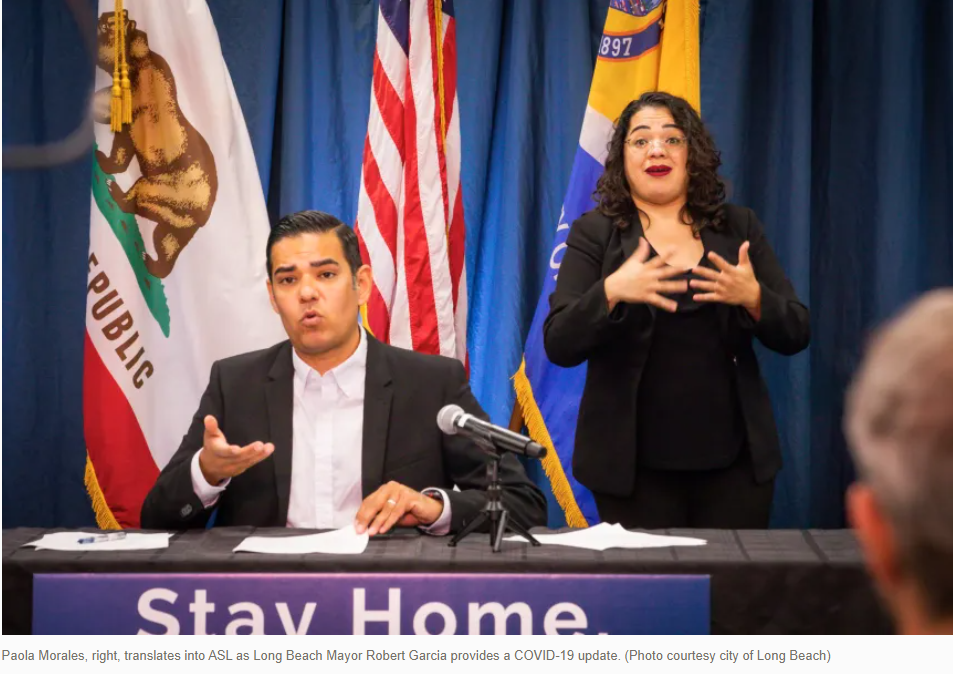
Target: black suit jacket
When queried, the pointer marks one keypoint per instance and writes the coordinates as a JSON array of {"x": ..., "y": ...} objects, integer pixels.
[
  {"x": 579, "y": 328},
  {"x": 251, "y": 396}
]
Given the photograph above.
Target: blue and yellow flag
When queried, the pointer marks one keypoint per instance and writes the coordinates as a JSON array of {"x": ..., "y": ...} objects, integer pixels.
[{"x": 646, "y": 45}]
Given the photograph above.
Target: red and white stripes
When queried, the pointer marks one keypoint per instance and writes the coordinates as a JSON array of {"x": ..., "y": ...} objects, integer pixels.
[{"x": 410, "y": 212}]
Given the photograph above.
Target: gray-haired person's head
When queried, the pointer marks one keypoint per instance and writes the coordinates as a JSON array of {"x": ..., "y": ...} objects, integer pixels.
[{"x": 899, "y": 424}]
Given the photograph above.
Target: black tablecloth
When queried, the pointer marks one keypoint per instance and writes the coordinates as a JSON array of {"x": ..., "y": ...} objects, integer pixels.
[{"x": 778, "y": 581}]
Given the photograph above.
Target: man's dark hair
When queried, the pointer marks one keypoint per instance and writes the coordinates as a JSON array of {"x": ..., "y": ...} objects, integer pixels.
[{"x": 316, "y": 222}]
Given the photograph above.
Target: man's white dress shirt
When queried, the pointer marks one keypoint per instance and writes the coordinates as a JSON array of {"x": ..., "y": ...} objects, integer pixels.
[{"x": 328, "y": 434}]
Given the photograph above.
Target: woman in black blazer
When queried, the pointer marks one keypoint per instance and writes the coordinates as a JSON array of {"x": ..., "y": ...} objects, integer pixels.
[{"x": 661, "y": 291}]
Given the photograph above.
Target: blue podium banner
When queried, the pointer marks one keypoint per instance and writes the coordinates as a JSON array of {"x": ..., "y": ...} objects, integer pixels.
[{"x": 329, "y": 603}]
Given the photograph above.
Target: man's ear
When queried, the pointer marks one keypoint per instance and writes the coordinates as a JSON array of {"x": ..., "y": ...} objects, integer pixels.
[
  {"x": 365, "y": 283},
  {"x": 271, "y": 295},
  {"x": 875, "y": 535}
]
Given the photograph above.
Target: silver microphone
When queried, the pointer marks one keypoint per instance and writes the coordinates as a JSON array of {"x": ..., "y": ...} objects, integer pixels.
[{"x": 452, "y": 420}]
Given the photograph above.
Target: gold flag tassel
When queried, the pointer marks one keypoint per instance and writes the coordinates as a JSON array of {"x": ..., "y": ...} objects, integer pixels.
[
  {"x": 438, "y": 50},
  {"x": 115, "y": 105},
  {"x": 124, "y": 68},
  {"x": 104, "y": 514}
]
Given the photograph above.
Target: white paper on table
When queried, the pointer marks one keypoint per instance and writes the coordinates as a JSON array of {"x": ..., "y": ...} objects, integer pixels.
[
  {"x": 69, "y": 540},
  {"x": 605, "y": 536},
  {"x": 343, "y": 541}
]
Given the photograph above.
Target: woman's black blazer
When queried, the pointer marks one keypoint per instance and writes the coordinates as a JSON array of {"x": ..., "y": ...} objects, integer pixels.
[{"x": 580, "y": 329}]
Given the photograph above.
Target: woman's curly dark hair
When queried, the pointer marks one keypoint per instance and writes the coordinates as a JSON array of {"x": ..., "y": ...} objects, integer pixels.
[{"x": 706, "y": 191}]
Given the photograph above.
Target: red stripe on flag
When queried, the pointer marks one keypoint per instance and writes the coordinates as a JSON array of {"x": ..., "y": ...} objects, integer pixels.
[
  {"x": 385, "y": 211},
  {"x": 389, "y": 104},
  {"x": 449, "y": 67},
  {"x": 377, "y": 317},
  {"x": 456, "y": 245},
  {"x": 422, "y": 307},
  {"x": 117, "y": 448},
  {"x": 456, "y": 242}
]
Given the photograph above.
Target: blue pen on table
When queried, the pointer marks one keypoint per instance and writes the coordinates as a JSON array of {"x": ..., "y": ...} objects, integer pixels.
[{"x": 103, "y": 538}]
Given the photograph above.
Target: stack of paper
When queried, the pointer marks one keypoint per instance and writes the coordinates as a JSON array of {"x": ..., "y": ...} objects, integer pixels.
[
  {"x": 86, "y": 542},
  {"x": 344, "y": 541},
  {"x": 604, "y": 536}
]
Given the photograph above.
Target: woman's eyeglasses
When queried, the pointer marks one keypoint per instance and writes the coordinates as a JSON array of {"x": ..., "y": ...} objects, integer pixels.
[{"x": 670, "y": 143}]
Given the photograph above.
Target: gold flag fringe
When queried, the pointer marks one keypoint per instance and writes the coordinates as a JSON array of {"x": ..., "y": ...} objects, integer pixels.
[
  {"x": 104, "y": 516},
  {"x": 365, "y": 322},
  {"x": 551, "y": 464},
  {"x": 438, "y": 42},
  {"x": 120, "y": 105},
  {"x": 438, "y": 51},
  {"x": 124, "y": 65}
]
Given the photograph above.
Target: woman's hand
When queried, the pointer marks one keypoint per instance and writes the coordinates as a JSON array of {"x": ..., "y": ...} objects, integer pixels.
[
  {"x": 638, "y": 281},
  {"x": 731, "y": 284}
]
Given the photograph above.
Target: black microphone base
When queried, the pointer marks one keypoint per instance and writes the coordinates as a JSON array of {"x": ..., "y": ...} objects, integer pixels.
[
  {"x": 498, "y": 527},
  {"x": 494, "y": 512},
  {"x": 500, "y": 523}
]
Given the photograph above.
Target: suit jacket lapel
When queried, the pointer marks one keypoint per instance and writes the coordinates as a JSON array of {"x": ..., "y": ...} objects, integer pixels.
[
  {"x": 629, "y": 238},
  {"x": 279, "y": 400},
  {"x": 721, "y": 242},
  {"x": 378, "y": 393}
]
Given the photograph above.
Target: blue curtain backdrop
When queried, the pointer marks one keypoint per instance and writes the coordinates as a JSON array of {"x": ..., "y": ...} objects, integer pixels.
[{"x": 831, "y": 117}]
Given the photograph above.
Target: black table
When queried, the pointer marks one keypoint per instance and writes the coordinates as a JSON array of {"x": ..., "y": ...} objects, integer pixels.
[{"x": 762, "y": 582}]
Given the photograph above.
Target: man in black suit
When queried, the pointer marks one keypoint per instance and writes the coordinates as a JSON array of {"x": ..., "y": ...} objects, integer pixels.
[{"x": 332, "y": 426}]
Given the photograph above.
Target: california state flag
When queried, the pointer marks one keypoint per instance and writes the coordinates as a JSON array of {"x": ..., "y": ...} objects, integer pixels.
[{"x": 177, "y": 243}]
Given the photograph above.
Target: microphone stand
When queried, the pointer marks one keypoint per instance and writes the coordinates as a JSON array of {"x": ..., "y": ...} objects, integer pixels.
[{"x": 494, "y": 511}]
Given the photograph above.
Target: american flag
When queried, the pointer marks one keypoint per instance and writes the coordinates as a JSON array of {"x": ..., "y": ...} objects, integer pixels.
[{"x": 410, "y": 215}]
